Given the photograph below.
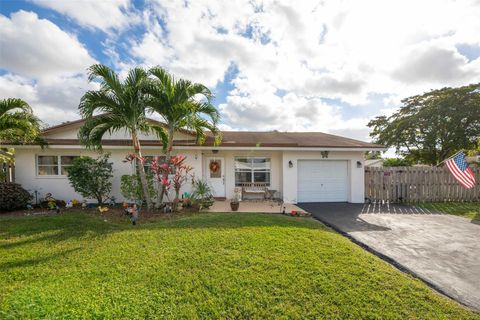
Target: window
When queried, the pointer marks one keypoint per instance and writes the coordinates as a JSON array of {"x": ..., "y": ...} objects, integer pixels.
[
  {"x": 54, "y": 165},
  {"x": 47, "y": 166},
  {"x": 252, "y": 169},
  {"x": 65, "y": 162}
]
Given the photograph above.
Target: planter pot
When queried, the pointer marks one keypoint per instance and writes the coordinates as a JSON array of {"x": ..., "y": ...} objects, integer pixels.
[{"x": 234, "y": 205}]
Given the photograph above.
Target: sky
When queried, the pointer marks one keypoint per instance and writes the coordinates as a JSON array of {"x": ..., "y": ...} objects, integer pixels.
[{"x": 327, "y": 66}]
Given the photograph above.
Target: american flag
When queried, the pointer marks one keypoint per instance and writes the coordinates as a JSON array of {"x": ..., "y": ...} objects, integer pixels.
[{"x": 458, "y": 166}]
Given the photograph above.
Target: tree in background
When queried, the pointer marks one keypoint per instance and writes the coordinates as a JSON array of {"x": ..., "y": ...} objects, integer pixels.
[
  {"x": 121, "y": 106},
  {"x": 91, "y": 177},
  {"x": 182, "y": 105},
  {"x": 430, "y": 127},
  {"x": 373, "y": 155},
  {"x": 18, "y": 124},
  {"x": 396, "y": 162}
]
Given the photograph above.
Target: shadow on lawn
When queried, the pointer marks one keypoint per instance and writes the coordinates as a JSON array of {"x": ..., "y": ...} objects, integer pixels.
[
  {"x": 34, "y": 261},
  {"x": 234, "y": 221},
  {"x": 18, "y": 231}
]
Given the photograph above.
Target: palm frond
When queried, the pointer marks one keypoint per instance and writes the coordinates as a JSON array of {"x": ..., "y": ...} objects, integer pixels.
[
  {"x": 109, "y": 79},
  {"x": 13, "y": 104}
]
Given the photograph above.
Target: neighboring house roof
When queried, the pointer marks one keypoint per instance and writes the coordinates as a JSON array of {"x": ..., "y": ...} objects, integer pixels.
[
  {"x": 374, "y": 163},
  {"x": 236, "y": 139}
]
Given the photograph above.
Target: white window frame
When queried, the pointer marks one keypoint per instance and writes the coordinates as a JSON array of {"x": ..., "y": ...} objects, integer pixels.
[
  {"x": 59, "y": 165},
  {"x": 268, "y": 183}
]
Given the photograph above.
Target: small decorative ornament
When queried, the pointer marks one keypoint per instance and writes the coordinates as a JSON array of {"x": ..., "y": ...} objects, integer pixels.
[
  {"x": 214, "y": 166},
  {"x": 324, "y": 154}
]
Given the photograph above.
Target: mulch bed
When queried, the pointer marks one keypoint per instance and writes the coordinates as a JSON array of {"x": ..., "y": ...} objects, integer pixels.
[{"x": 114, "y": 214}]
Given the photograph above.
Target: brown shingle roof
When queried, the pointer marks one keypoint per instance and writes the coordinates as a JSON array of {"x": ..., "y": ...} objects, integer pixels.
[
  {"x": 242, "y": 139},
  {"x": 289, "y": 139}
]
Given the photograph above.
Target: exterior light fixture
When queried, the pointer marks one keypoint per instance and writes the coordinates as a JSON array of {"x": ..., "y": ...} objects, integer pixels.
[
  {"x": 359, "y": 164},
  {"x": 214, "y": 151},
  {"x": 290, "y": 164}
]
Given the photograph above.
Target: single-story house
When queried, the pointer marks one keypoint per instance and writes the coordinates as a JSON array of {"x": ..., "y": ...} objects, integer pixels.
[{"x": 296, "y": 166}]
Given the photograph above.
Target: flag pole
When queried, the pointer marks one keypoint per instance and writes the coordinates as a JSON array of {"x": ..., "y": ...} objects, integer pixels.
[{"x": 449, "y": 158}]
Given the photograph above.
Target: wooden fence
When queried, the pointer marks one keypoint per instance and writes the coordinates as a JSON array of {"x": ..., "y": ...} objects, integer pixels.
[
  {"x": 417, "y": 184},
  {"x": 7, "y": 166},
  {"x": 7, "y": 172}
]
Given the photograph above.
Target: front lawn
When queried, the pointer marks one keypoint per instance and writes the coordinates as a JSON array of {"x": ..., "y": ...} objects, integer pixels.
[
  {"x": 469, "y": 210},
  {"x": 78, "y": 266}
]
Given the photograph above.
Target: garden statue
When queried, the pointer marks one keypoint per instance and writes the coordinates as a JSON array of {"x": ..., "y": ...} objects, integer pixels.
[
  {"x": 52, "y": 202},
  {"x": 102, "y": 209},
  {"x": 111, "y": 201},
  {"x": 132, "y": 212}
]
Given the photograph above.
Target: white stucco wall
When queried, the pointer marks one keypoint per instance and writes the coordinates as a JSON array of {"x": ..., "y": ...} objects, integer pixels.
[
  {"x": 355, "y": 175},
  {"x": 59, "y": 186}
]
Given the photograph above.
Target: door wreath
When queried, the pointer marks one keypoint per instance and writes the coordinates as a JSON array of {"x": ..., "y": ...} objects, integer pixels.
[{"x": 214, "y": 166}]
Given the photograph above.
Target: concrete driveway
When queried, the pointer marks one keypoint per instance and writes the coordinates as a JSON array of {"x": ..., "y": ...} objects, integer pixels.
[{"x": 442, "y": 250}]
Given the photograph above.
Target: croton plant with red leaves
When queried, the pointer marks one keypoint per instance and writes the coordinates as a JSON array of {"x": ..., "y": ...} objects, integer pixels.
[{"x": 162, "y": 171}]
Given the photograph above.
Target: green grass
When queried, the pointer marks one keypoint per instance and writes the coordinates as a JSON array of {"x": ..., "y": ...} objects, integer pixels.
[
  {"x": 469, "y": 210},
  {"x": 77, "y": 266}
]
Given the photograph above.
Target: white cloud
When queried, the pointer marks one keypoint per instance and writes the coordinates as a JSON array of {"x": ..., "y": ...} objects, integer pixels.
[
  {"x": 266, "y": 111},
  {"x": 39, "y": 49},
  {"x": 53, "y": 102},
  {"x": 434, "y": 64},
  {"x": 104, "y": 14},
  {"x": 345, "y": 50}
]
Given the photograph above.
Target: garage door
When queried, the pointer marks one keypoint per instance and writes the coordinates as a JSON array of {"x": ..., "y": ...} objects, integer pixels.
[{"x": 322, "y": 181}]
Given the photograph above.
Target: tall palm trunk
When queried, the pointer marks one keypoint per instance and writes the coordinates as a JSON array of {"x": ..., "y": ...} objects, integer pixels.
[
  {"x": 141, "y": 170},
  {"x": 168, "y": 155}
]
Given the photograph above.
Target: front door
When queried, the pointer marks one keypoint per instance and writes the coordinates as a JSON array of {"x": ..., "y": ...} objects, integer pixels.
[{"x": 216, "y": 175}]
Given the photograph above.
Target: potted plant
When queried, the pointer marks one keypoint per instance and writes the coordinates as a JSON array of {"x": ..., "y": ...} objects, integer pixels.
[{"x": 235, "y": 203}]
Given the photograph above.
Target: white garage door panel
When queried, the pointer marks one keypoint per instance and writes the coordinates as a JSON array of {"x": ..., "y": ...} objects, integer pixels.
[{"x": 322, "y": 181}]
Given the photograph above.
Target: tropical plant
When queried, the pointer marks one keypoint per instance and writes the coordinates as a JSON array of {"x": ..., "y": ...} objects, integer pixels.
[
  {"x": 91, "y": 177},
  {"x": 181, "y": 174},
  {"x": 202, "y": 192},
  {"x": 429, "y": 128},
  {"x": 131, "y": 187},
  {"x": 121, "y": 106},
  {"x": 18, "y": 124},
  {"x": 181, "y": 104}
]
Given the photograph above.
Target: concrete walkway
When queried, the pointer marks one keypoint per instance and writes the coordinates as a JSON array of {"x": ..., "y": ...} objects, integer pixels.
[
  {"x": 443, "y": 250},
  {"x": 260, "y": 206}
]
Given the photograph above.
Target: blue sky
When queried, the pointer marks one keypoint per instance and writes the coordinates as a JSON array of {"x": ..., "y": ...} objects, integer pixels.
[{"x": 285, "y": 65}]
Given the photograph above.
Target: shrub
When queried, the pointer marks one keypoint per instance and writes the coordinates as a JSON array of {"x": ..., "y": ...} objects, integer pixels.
[
  {"x": 13, "y": 196},
  {"x": 91, "y": 177},
  {"x": 131, "y": 187},
  {"x": 202, "y": 193}
]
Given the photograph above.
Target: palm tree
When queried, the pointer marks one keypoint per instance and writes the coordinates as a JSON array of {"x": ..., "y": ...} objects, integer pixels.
[
  {"x": 121, "y": 106},
  {"x": 18, "y": 124},
  {"x": 178, "y": 103}
]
